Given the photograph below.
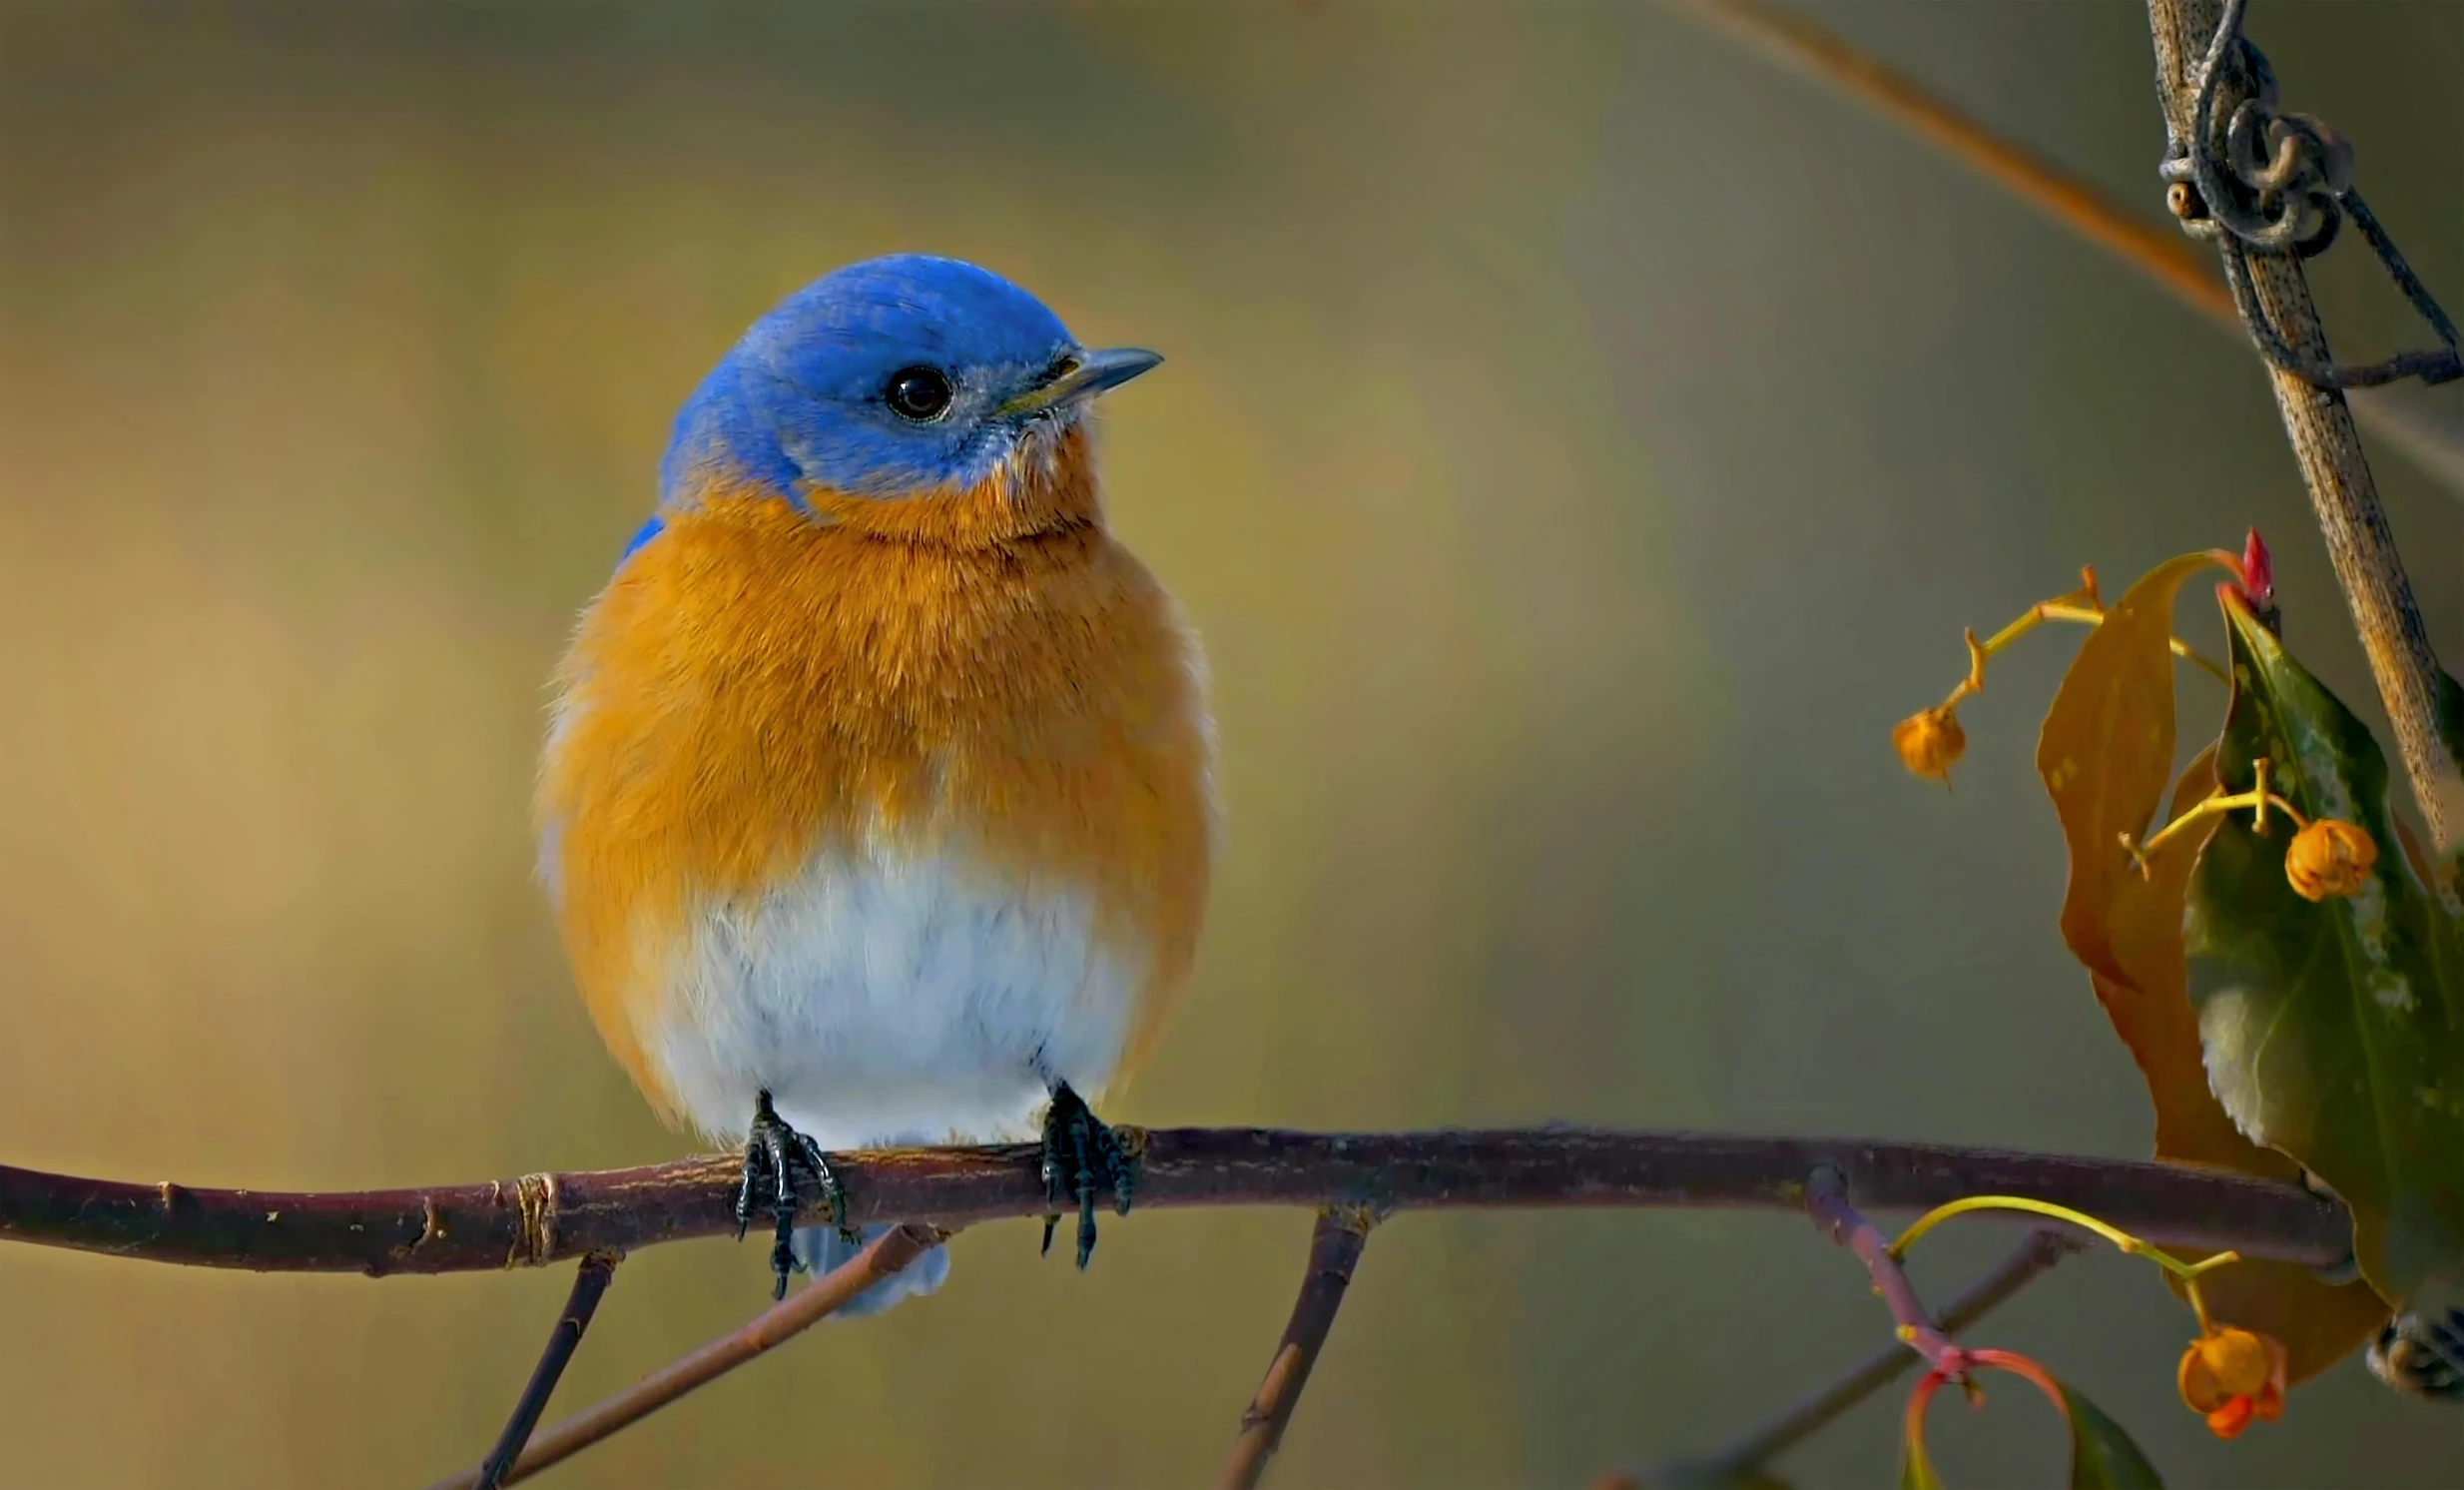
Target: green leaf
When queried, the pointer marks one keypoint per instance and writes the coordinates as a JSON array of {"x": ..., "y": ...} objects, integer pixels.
[
  {"x": 2103, "y": 1457},
  {"x": 2332, "y": 1032}
]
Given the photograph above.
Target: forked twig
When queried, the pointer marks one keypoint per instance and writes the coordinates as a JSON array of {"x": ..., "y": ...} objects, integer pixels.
[
  {"x": 888, "y": 1254},
  {"x": 2033, "y": 1259},
  {"x": 1334, "y": 1246},
  {"x": 1826, "y": 1202}
]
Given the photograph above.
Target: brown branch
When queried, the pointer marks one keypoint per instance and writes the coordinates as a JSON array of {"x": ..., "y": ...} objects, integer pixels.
[
  {"x": 2034, "y": 1258},
  {"x": 1333, "y": 1250},
  {"x": 1794, "y": 39},
  {"x": 888, "y": 1254},
  {"x": 541, "y": 1218},
  {"x": 590, "y": 1282},
  {"x": 2319, "y": 426}
]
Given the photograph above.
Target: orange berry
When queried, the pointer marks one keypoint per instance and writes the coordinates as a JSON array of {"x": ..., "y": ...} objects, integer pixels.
[
  {"x": 2329, "y": 858},
  {"x": 1929, "y": 742},
  {"x": 2239, "y": 1360},
  {"x": 2195, "y": 1378},
  {"x": 2233, "y": 1377}
]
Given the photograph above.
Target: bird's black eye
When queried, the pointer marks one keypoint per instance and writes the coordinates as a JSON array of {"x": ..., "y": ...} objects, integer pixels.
[{"x": 918, "y": 393}]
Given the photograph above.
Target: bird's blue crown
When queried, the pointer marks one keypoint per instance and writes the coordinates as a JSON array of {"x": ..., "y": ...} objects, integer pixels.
[{"x": 886, "y": 379}]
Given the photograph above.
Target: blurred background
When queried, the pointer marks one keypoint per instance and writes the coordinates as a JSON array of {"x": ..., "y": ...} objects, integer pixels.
[{"x": 1581, "y": 444}]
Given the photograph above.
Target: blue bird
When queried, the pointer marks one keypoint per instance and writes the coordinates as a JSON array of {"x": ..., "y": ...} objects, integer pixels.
[{"x": 877, "y": 806}]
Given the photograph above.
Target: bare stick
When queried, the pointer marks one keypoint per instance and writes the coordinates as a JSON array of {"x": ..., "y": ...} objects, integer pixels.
[
  {"x": 2320, "y": 427},
  {"x": 1793, "y": 38},
  {"x": 1826, "y": 1200},
  {"x": 589, "y": 1284},
  {"x": 1333, "y": 1250},
  {"x": 541, "y": 1218},
  {"x": 888, "y": 1254},
  {"x": 2033, "y": 1259}
]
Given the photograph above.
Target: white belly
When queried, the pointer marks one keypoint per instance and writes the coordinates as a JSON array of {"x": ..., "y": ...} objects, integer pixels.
[{"x": 881, "y": 999}]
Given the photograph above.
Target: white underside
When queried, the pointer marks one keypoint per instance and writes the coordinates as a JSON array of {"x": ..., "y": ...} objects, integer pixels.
[{"x": 886, "y": 998}]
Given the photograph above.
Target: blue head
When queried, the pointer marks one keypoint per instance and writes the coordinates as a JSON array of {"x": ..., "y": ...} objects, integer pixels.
[{"x": 893, "y": 378}]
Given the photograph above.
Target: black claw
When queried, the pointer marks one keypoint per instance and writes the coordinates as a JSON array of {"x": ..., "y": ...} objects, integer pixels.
[
  {"x": 1082, "y": 1144},
  {"x": 777, "y": 1154},
  {"x": 1080, "y": 1151}
]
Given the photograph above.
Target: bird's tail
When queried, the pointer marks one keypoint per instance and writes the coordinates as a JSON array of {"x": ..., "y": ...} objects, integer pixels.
[{"x": 822, "y": 1248}]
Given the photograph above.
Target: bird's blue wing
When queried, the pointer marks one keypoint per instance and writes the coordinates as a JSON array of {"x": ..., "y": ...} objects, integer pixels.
[{"x": 644, "y": 534}]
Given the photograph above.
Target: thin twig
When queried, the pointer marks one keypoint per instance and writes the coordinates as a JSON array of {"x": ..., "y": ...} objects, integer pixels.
[
  {"x": 1826, "y": 1200},
  {"x": 540, "y": 1218},
  {"x": 887, "y": 1255},
  {"x": 589, "y": 1284},
  {"x": 1333, "y": 1250},
  {"x": 2033, "y": 1259},
  {"x": 1793, "y": 38}
]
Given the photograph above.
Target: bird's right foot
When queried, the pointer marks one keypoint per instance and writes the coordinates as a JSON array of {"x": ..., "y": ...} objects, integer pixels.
[
  {"x": 781, "y": 1166},
  {"x": 1083, "y": 1156}
]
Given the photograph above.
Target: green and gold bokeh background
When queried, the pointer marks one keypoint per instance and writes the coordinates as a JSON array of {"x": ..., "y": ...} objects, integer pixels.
[{"x": 1581, "y": 442}]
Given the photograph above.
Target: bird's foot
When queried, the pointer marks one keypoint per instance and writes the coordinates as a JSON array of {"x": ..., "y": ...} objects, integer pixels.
[
  {"x": 1083, "y": 1156},
  {"x": 783, "y": 1166}
]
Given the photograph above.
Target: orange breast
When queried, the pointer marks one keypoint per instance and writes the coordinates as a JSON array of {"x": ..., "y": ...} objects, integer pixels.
[{"x": 755, "y": 686}]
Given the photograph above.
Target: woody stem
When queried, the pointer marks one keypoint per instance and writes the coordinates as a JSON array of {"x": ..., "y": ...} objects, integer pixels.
[
  {"x": 2318, "y": 423},
  {"x": 888, "y": 1254},
  {"x": 1334, "y": 1246},
  {"x": 589, "y": 1285},
  {"x": 1826, "y": 1202},
  {"x": 542, "y": 1218}
]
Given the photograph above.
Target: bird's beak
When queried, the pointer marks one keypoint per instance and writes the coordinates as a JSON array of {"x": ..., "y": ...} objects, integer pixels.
[{"x": 1083, "y": 376}]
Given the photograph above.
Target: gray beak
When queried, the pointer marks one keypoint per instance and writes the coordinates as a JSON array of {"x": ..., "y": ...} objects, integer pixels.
[{"x": 1084, "y": 375}]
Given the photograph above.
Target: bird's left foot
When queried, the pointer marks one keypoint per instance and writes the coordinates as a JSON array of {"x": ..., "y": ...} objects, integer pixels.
[
  {"x": 779, "y": 1163},
  {"x": 1083, "y": 1156}
]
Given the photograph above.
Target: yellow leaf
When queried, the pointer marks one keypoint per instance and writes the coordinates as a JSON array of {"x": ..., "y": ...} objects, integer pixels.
[
  {"x": 2106, "y": 752},
  {"x": 2106, "y": 755}
]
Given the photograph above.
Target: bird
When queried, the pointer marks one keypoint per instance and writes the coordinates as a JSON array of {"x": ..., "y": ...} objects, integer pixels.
[{"x": 876, "y": 805}]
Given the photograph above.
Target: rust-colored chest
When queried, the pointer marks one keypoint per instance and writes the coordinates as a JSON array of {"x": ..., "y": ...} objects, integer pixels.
[{"x": 755, "y": 688}]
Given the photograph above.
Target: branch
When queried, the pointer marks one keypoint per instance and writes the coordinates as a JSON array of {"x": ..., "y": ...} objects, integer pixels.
[
  {"x": 888, "y": 1254},
  {"x": 542, "y": 1218},
  {"x": 2319, "y": 426},
  {"x": 1793, "y": 39},
  {"x": 590, "y": 1282},
  {"x": 1333, "y": 1250},
  {"x": 1826, "y": 1200}
]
